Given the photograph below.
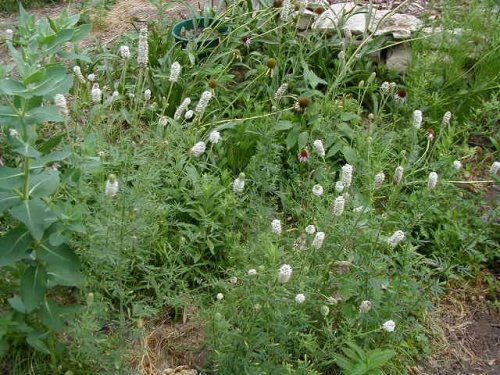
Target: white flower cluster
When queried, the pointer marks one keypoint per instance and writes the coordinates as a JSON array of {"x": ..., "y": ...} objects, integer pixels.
[
  {"x": 281, "y": 91},
  {"x": 417, "y": 118},
  {"x": 398, "y": 174},
  {"x": 112, "y": 186},
  {"x": 318, "y": 240},
  {"x": 318, "y": 146},
  {"x": 203, "y": 103},
  {"x": 495, "y": 167},
  {"x": 433, "y": 179},
  {"x": 446, "y": 118},
  {"x": 182, "y": 108},
  {"x": 338, "y": 206},
  {"x": 379, "y": 178},
  {"x": 96, "y": 93},
  {"x": 147, "y": 95},
  {"x": 60, "y": 102},
  {"x": 286, "y": 10},
  {"x": 214, "y": 137},
  {"x": 175, "y": 72},
  {"x": 143, "y": 48},
  {"x": 198, "y": 149},
  {"x": 276, "y": 226},
  {"x": 125, "y": 52},
  {"x": 346, "y": 175},
  {"x": 239, "y": 183},
  {"x": 310, "y": 229},
  {"x": 78, "y": 73},
  {"x": 317, "y": 190},
  {"x": 396, "y": 238},
  {"x": 285, "y": 273}
]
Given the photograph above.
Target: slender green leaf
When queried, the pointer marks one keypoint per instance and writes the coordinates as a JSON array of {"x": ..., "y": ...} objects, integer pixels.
[{"x": 33, "y": 286}]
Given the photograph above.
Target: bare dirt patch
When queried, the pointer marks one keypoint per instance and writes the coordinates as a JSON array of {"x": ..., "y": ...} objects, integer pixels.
[{"x": 467, "y": 328}]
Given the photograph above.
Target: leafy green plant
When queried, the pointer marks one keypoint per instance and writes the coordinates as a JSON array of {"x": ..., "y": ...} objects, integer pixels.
[
  {"x": 37, "y": 227},
  {"x": 357, "y": 361}
]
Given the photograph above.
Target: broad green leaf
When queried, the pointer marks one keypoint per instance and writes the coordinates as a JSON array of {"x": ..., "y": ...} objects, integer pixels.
[
  {"x": 333, "y": 150},
  {"x": 74, "y": 56},
  {"x": 303, "y": 139},
  {"x": 12, "y": 87},
  {"x": 49, "y": 144},
  {"x": 17, "y": 304},
  {"x": 346, "y": 130},
  {"x": 283, "y": 125},
  {"x": 311, "y": 78},
  {"x": 10, "y": 178},
  {"x": 14, "y": 246},
  {"x": 55, "y": 156},
  {"x": 9, "y": 117},
  {"x": 33, "y": 286},
  {"x": 80, "y": 32},
  {"x": 291, "y": 139},
  {"x": 349, "y": 116},
  {"x": 8, "y": 200},
  {"x": 50, "y": 315},
  {"x": 63, "y": 265},
  {"x": 43, "y": 114},
  {"x": 27, "y": 151},
  {"x": 35, "y": 215},
  {"x": 349, "y": 154},
  {"x": 44, "y": 184},
  {"x": 35, "y": 340}
]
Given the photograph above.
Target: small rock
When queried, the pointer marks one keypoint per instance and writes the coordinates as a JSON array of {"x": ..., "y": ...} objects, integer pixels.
[{"x": 398, "y": 58}]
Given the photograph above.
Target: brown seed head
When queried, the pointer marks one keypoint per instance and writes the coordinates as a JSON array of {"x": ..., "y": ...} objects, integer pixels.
[
  {"x": 277, "y": 3},
  {"x": 319, "y": 10},
  {"x": 304, "y": 102},
  {"x": 212, "y": 83},
  {"x": 271, "y": 63}
]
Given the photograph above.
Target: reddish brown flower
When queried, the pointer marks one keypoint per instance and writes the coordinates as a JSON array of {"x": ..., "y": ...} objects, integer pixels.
[{"x": 303, "y": 155}]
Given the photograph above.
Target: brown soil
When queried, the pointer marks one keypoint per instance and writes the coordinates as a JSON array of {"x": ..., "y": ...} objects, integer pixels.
[{"x": 467, "y": 333}]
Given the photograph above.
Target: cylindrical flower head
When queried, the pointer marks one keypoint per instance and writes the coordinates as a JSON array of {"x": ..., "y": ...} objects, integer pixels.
[
  {"x": 175, "y": 72},
  {"x": 147, "y": 95},
  {"x": 385, "y": 87},
  {"x": 182, "y": 108},
  {"x": 433, "y": 179},
  {"x": 389, "y": 326},
  {"x": 9, "y": 34},
  {"x": 281, "y": 91},
  {"x": 300, "y": 298},
  {"x": 346, "y": 175},
  {"x": 457, "y": 164},
  {"x": 339, "y": 186},
  {"x": 324, "y": 310},
  {"x": 495, "y": 167},
  {"x": 276, "y": 226},
  {"x": 365, "y": 306},
  {"x": 310, "y": 229},
  {"x": 125, "y": 52},
  {"x": 203, "y": 103},
  {"x": 398, "y": 175},
  {"x": 111, "y": 186},
  {"x": 286, "y": 10},
  {"x": 317, "y": 190},
  {"x": 60, "y": 102},
  {"x": 239, "y": 183},
  {"x": 446, "y": 118},
  {"x": 91, "y": 77},
  {"x": 318, "y": 240},
  {"x": 78, "y": 73},
  {"x": 189, "y": 115},
  {"x": 252, "y": 272},
  {"x": 198, "y": 149},
  {"x": 379, "y": 178},
  {"x": 163, "y": 121},
  {"x": 96, "y": 94},
  {"x": 318, "y": 146},
  {"x": 396, "y": 238},
  {"x": 143, "y": 48},
  {"x": 417, "y": 118},
  {"x": 338, "y": 206},
  {"x": 285, "y": 273},
  {"x": 214, "y": 137},
  {"x": 219, "y": 296}
]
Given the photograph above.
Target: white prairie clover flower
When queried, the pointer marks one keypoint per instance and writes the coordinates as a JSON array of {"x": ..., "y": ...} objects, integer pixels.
[
  {"x": 147, "y": 95},
  {"x": 379, "y": 178},
  {"x": 339, "y": 186},
  {"x": 91, "y": 77},
  {"x": 189, "y": 115},
  {"x": 198, "y": 149},
  {"x": 281, "y": 91},
  {"x": 338, "y": 206},
  {"x": 252, "y": 272},
  {"x": 214, "y": 137},
  {"x": 346, "y": 175},
  {"x": 324, "y": 310},
  {"x": 9, "y": 34},
  {"x": 310, "y": 229},
  {"x": 13, "y": 133},
  {"x": 457, "y": 164},
  {"x": 300, "y": 298},
  {"x": 385, "y": 87},
  {"x": 398, "y": 174},
  {"x": 219, "y": 296},
  {"x": 359, "y": 209},
  {"x": 125, "y": 52},
  {"x": 182, "y": 108},
  {"x": 276, "y": 226},
  {"x": 396, "y": 238},
  {"x": 175, "y": 72},
  {"x": 389, "y": 326},
  {"x": 203, "y": 103},
  {"x": 417, "y": 118},
  {"x": 446, "y": 118},
  {"x": 78, "y": 73},
  {"x": 495, "y": 167},
  {"x": 318, "y": 240},
  {"x": 163, "y": 121},
  {"x": 286, "y": 10},
  {"x": 112, "y": 186},
  {"x": 317, "y": 190},
  {"x": 60, "y": 102},
  {"x": 365, "y": 306},
  {"x": 285, "y": 273},
  {"x": 318, "y": 146},
  {"x": 96, "y": 94},
  {"x": 433, "y": 179},
  {"x": 239, "y": 183},
  {"x": 233, "y": 280},
  {"x": 143, "y": 48}
]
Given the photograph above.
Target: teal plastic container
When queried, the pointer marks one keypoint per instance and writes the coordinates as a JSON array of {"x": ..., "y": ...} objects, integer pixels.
[{"x": 200, "y": 22}]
